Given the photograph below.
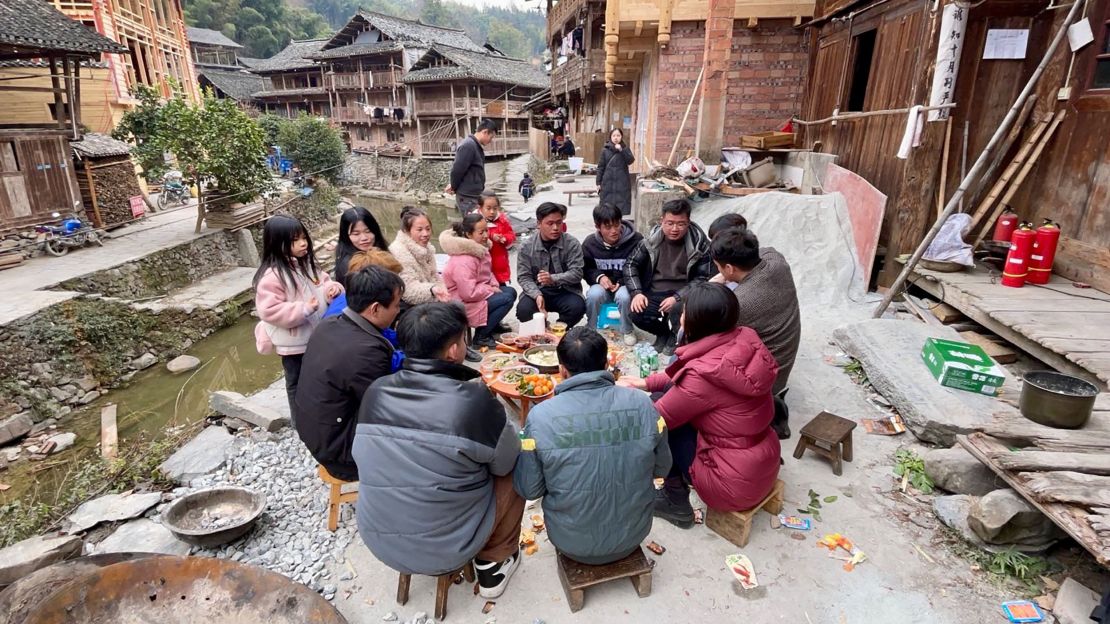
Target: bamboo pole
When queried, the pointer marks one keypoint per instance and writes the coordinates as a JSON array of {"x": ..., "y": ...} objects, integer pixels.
[
  {"x": 980, "y": 162},
  {"x": 682, "y": 126}
]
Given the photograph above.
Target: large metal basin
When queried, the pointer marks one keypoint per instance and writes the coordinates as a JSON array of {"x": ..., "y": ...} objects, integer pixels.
[
  {"x": 1057, "y": 400},
  {"x": 184, "y": 590},
  {"x": 214, "y": 516}
]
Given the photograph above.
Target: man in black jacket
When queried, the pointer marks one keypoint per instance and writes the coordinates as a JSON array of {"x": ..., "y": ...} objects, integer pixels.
[
  {"x": 468, "y": 173},
  {"x": 344, "y": 356},
  {"x": 604, "y": 254},
  {"x": 435, "y": 455},
  {"x": 673, "y": 256}
]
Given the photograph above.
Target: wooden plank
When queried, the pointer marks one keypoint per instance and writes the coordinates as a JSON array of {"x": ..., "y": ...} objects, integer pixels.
[
  {"x": 921, "y": 309},
  {"x": 1013, "y": 426},
  {"x": 998, "y": 352},
  {"x": 1071, "y": 518},
  {"x": 999, "y": 186},
  {"x": 946, "y": 314},
  {"x": 1089, "y": 463},
  {"x": 109, "y": 432},
  {"x": 1083, "y": 262},
  {"x": 1068, "y": 487}
]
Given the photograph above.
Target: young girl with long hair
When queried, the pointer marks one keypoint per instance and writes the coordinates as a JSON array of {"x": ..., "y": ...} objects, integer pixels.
[
  {"x": 291, "y": 294},
  {"x": 358, "y": 231},
  {"x": 469, "y": 277}
]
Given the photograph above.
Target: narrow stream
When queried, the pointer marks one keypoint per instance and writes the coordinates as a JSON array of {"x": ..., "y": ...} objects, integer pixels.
[{"x": 156, "y": 399}]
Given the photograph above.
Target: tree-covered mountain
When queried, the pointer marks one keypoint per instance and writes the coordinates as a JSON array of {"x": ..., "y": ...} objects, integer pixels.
[{"x": 265, "y": 26}]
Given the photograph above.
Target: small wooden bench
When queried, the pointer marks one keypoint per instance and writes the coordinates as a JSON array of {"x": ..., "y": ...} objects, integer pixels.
[
  {"x": 443, "y": 584},
  {"x": 736, "y": 526},
  {"x": 584, "y": 192},
  {"x": 336, "y": 496},
  {"x": 830, "y": 436},
  {"x": 576, "y": 577}
]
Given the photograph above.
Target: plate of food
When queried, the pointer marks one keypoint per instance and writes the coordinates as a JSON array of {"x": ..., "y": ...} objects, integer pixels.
[
  {"x": 515, "y": 374},
  {"x": 536, "y": 386},
  {"x": 543, "y": 357},
  {"x": 499, "y": 361},
  {"x": 544, "y": 339}
]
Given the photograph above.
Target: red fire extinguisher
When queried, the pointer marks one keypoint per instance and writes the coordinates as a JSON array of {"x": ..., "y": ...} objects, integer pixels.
[
  {"x": 1044, "y": 252},
  {"x": 1005, "y": 226},
  {"x": 1017, "y": 259}
]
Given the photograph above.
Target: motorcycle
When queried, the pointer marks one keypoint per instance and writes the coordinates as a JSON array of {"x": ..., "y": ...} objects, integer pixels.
[
  {"x": 72, "y": 232},
  {"x": 174, "y": 192}
]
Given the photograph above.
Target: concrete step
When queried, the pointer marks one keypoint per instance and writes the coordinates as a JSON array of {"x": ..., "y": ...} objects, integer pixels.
[{"x": 210, "y": 292}]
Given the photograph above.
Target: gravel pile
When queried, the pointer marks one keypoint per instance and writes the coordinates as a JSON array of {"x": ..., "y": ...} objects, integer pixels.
[{"x": 291, "y": 537}]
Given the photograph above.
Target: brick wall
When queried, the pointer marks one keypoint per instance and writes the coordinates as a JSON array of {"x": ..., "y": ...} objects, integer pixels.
[{"x": 766, "y": 80}]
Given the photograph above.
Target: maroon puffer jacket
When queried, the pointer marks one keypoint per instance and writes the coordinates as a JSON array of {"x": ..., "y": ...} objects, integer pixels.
[{"x": 722, "y": 387}]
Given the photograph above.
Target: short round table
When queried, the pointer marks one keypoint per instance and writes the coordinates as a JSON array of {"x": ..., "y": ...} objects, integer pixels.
[{"x": 519, "y": 403}]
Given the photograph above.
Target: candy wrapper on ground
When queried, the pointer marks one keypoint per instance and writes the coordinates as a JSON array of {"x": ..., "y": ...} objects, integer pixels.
[
  {"x": 835, "y": 541},
  {"x": 794, "y": 522},
  {"x": 743, "y": 570}
]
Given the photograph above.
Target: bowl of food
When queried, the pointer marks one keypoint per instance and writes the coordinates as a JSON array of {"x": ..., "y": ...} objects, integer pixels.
[
  {"x": 515, "y": 374},
  {"x": 522, "y": 342},
  {"x": 536, "y": 386},
  {"x": 543, "y": 357},
  {"x": 508, "y": 338},
  {"x": 498, "y": 361},
  {"x": 544, "y": 339}
]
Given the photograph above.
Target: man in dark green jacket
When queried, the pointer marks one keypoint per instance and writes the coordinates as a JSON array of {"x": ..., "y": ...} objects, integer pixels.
[{"x": 591, "y": 452}]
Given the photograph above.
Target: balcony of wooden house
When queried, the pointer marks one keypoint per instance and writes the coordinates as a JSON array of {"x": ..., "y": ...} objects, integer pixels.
[
  {"x": 578, "y": 72},
  {"x": 383, "y": 79},
  {"x": 364, "y": 115},
  {"x": 501, "y": 109},
  {"x": 445, "y": 107},
  {"x": 567, "y": 11}
]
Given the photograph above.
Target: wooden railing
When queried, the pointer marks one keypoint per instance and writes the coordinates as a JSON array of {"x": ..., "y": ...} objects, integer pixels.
[
  {"x": 501, "y": 146},
  {"x": 579, "y": 71},
  {"x": 501, "y": 108},
  {"x": 384, "y": 79},
  {"x": 356, "y": 114},
  {"x": 560, "y": 13}
]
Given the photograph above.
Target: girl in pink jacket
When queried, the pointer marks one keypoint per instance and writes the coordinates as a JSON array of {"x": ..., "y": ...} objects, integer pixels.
[
  {"x": 469, "y": 277},
  {"x": 291, "y": 295}
]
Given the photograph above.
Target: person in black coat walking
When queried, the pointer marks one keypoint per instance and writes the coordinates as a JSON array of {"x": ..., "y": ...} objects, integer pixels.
[{"x": 613, "y": 184}]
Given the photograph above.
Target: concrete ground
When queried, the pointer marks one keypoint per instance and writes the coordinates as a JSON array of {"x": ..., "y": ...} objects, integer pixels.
[{"x": 907, "y": 578}]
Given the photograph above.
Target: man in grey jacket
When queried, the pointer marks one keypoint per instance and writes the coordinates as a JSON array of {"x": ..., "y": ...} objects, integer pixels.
[
  {"x": 435, "y": 453},
  {"x": 549, "y": 269},
  {"x": 468, "y": 173},
  {"x": 591, "y": 452}
]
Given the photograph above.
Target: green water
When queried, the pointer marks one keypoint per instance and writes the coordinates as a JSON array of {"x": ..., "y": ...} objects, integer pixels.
[
  {"x": 388, "y": 215},
  {"x": 156, "y": 399}
]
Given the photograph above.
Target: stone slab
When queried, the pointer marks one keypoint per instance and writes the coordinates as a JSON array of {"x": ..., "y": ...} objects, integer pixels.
[
  {"x": 957, "y": 471},
  {"x": 182, "y": 363},
  {"x": 143, "y": 535},
  {"x": 954, "y": 510},
  {"x": 890, "y": 352},
  {"x": 62, "y": 441},
  {"x": 238, "y": 406},
  {"x": 33, "y": 553},
  {"x": 1074, "y": 603},
  {"x": 200, "y": 456},
  {"x": 209, "y": 293},
  {"x": 111, "y": 508},
  {"x": 15, "y": 427}
]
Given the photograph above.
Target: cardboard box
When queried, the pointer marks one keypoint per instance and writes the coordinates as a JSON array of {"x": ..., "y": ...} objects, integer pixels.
[{"x": 963, "y": 366}]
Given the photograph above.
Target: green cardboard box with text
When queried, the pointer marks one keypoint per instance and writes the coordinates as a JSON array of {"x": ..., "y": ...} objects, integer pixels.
[{"x": 963, "y": 366}]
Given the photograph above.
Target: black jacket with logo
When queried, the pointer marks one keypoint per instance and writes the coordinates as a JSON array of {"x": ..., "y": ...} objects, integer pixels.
[{"x": 601, "y": 259}]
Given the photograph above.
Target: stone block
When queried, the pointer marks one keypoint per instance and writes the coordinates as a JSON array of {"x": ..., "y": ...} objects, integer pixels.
[
  {"x": 145, "y": 361},
  {"x": 23, "y": 558},
  {"x": 248, "y": 249},
  {"x": 89, "y": 397},
  {"x": 238, "y": 406},
  {"x": 957, "y": 471},
  {"x": 110, "y": 508},
  {"x": 15, "y": 427},
  {"x": 649, "y": 205},
  {"x": 62, "y": 441},
  {"x": 1003, "y": 517},
  {"x": 183, "y": 363},
  {"x": 143, "y": 535},
  {"x": 1074, "y": 603},
  {"x": 201, "y": 455}
]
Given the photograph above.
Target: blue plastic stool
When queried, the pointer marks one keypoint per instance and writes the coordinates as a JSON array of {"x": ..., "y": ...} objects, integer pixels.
[{"x": 609, "y": 316}]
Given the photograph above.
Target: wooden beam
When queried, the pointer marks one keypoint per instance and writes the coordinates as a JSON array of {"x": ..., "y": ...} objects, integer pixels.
[
  {"x": 797, "y": 21},
  {"x": 639, "y": 28},
  {"x": 1090, "y": 463},
  {"x": 753, "y": 22}
]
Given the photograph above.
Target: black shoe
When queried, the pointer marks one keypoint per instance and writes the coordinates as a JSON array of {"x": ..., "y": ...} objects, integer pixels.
[
  {"x": 502, "y": 328},
  {"x": 781, "y": 421},
  {"x": 679, "y": 514},
  {"x": 670, "y": 346},
  {"x": 493, "y": 577},
  {"x": 660, "y": 343},
  {"x": 486, "y": 342},
  {"x": 472, "y": 355}
]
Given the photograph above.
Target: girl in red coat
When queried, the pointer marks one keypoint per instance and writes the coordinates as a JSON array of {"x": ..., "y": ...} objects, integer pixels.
[
  {"x": 717, "y": 403},
  {"x": 501, "y": 235}
]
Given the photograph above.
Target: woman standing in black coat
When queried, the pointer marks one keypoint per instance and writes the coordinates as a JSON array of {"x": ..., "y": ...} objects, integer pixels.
[{"x": 613, "y": 184}]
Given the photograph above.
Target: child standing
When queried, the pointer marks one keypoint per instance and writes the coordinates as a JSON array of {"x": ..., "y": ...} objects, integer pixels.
[
  {"x": 291, "y": 294},
  {"x": 501, "y": 236},
  {"x": 526, "y": 187},
  {"x": 469, "y": 278}
]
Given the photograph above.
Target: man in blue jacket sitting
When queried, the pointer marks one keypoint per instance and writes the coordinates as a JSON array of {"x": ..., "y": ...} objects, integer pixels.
[{"x": 591, "y": 452}]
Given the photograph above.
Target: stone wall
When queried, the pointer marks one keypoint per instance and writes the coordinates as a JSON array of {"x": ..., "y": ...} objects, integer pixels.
[{"x": 394, "y": 174}]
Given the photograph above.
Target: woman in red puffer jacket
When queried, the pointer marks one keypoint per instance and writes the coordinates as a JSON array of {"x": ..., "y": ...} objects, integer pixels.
[{"x": 717, "y": 403}]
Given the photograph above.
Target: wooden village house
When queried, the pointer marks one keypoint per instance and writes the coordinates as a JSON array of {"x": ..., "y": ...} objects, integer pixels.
[
  {"x": 154, "y": 53},
  {"x": 739, "y": 66},
  {"x": 293, "y": 84},
  {"x": 216, "y": 59},
  {"x": 36, "y": 171}
]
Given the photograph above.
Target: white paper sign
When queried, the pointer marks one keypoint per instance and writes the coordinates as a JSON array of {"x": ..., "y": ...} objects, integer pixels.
[
  {"x": 1079, "y": 34},
  {"x": 1006, "y": 43},
  {"x": 953, "y": 24}
]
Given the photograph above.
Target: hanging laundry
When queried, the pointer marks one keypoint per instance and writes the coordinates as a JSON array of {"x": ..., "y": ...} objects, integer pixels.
[
  {"x": 379, "y": 113},
  {"x": 398, "y": 114},
  {"x": 576, "y": 42}
]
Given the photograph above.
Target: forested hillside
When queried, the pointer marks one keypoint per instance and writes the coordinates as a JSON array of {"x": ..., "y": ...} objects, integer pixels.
[{"x": 265, "y": 26}]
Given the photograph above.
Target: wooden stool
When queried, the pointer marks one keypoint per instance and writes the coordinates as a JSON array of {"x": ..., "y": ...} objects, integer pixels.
[
  {"x": 336, "y": 496},
  {"x": 827, "y": 435},
  {"x": 576, "y": 577},
  {"x": 443, "y": 583},
  {"x": 736, "y": 526}
]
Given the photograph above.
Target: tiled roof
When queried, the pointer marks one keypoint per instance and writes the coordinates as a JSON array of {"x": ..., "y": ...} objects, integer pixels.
[
  {"x": 248, "y": 62},
  {"x": 290, "y": 92},
  {"x": 292, "y": 57},
  {"x": 404, "y": 31},
  {"x": 208, "y": 36},
  {"x": 236, "y": 84},
  {"x": 357, "y": 49},
  {"x": 475, "y": 65},
  {"x": 37, "y": 24},
  {"x": 95, "y": 145}
]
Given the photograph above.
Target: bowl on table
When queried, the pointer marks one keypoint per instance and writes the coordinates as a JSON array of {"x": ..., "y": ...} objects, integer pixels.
[
  {"x": 543, "y": 357},
  {"x": 536, "y": 386},
  {"x": 513, "y": 375}
]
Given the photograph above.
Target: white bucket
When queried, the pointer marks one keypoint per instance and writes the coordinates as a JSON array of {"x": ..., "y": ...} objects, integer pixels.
[{"x": 574, "y": 163}]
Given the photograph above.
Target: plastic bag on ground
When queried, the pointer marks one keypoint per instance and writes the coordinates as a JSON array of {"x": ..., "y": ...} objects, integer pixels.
[{"x": 949, "y": 245}]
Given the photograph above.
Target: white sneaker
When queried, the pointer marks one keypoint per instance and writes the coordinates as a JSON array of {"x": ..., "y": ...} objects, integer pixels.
[
  {"x": 493, "y": 576},
  {"x": 630, "y": 339}
]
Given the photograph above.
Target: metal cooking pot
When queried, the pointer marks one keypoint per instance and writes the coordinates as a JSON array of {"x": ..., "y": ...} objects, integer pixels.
[{"x": 1057, "y": 400}]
